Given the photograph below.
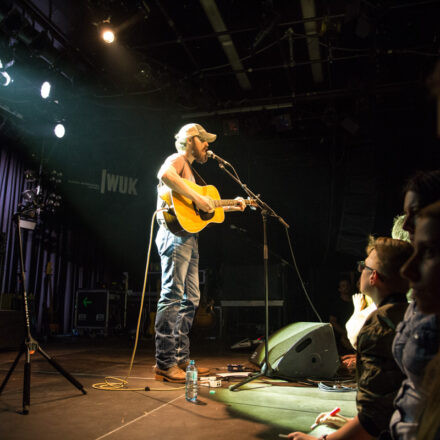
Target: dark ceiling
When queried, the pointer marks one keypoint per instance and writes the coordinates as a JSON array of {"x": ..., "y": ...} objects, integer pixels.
[
  {"x": 329, "y": 96},
  {"x": 204, "y": 57}
]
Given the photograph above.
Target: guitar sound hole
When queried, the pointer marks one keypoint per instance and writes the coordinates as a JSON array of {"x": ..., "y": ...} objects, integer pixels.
[
  {"x": 202, "y": 214},
  {"x": 206, "y": 215}
]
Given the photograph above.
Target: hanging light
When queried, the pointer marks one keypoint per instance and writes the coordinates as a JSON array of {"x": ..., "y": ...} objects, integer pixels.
[
  {"x": 108, "y": 36},
  {"x": 45, "y": 89},
  {"x": 59, "y": 130}
]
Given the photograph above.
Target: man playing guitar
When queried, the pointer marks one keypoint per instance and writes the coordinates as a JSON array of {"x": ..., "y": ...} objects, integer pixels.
[{"x": 179, "y": 255}]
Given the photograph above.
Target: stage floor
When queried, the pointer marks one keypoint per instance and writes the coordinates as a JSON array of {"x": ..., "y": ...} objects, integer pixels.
[{"x": 60, "y": 411}]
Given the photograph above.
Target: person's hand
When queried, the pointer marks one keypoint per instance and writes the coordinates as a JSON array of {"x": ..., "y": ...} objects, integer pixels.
[
  {"x": 240, "y": 207},
  {"x": 336, "y": 421},
  {"x": 358, "y": 302},
  {"x": 300, "y": 436},
  {"x": 242, "y": 204},
  {"x": 205, "y": 203},
  {"x": 349, "y": 361}
]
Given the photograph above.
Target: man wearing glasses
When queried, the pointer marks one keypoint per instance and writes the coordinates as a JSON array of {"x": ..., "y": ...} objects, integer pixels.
[{"x": 378, "y": 375}]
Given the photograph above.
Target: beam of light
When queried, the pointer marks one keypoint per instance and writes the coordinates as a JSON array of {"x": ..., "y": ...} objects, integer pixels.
[
  {"x": 59, "y": 131},
  {"x": 108, "y": 36},
  {"x": 45, "y": 89}
]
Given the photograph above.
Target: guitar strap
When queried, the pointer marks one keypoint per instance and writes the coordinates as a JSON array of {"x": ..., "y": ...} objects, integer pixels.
[
  {"x": 162, "y": 204},
  {"x": 197, "y": 176}
]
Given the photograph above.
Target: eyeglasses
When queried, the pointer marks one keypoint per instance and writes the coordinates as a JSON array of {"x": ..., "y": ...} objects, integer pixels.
[{"x": 361, "y": 266}]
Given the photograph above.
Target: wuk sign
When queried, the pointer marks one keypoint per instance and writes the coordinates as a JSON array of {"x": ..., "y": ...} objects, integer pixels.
[{"x": 116, "y": 183}]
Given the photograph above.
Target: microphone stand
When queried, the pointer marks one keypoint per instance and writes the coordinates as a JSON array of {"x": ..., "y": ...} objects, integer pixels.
[{"x": 266, "y": 210}]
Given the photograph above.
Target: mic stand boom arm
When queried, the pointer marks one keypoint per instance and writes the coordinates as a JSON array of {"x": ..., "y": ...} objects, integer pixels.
[
  {"x": 262, "y": 205},
  {"x": 266, "y": 210}
]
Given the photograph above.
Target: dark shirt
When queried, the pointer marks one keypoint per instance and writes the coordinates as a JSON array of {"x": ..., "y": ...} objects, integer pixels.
[{"x": 378, "y": 375}]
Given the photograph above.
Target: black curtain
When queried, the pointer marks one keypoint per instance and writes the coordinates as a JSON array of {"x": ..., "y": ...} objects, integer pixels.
[{"x": 60, "y": 255}]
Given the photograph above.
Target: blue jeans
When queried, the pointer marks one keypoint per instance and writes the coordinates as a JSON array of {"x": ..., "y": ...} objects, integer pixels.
[{"x": 179, "y": 296}]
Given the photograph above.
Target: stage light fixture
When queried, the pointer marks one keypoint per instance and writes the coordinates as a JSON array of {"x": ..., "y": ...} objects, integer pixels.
[
  {"x": 59, "y": 130},
  {"x": 108, "y": 36},
  {"x": 29, "y": 196},
  {"x": 45, "y": 89},
  {"x": 5, "y": 65},
  {"x": 5, "y": 79}
]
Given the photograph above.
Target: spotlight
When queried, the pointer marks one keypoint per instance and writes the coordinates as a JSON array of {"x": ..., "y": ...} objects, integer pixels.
[
  {"x": 108, "y": 36},
  {"x": 59, "y": 130},
  {"x": 29, "y": 196},
  {"x": 45, "y": 89}
]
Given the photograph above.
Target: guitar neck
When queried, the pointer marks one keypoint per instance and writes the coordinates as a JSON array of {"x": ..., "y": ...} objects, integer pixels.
[{"x": 229, "y": 202}]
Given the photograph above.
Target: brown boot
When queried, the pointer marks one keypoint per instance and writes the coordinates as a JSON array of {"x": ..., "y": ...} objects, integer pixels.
[
  {"x": 173, "y": 374},
  {"x": 201, "y": 371}
]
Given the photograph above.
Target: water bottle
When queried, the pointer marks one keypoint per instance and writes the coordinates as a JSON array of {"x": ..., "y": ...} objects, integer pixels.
[{"x": 191, "y": 382}]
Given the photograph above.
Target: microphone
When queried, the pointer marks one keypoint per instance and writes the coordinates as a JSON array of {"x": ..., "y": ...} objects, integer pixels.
[{"x": 211, "y": 155}]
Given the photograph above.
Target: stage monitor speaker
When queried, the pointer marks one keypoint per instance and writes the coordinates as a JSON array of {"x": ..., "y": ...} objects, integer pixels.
[{"x": 301, "y": 350}]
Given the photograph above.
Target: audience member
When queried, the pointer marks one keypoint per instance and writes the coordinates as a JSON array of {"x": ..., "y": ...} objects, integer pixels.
[
  {"x": 423, "y": 272},
  {"x": 364, "y": 305},
  {"x": 340, "y": 311},
  {"x": 378, "y": 376},
  {"x": 417, "y": 336}
]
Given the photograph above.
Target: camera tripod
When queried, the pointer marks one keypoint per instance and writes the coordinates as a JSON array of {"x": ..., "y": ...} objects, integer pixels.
[{"x": 30, "y": 345}]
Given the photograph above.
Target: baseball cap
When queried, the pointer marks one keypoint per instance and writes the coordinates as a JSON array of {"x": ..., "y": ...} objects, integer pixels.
[{"x": 192, "y": 129}]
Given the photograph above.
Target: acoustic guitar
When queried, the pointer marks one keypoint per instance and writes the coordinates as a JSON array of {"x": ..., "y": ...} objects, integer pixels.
[{"x": 182, "y": 216}]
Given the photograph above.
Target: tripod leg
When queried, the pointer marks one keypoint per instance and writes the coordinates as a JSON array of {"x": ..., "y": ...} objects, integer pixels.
[
  {"x": 243, "y": 382},
  {"x": 61, "y": 370},
  {"x": 27, "y": 383},
  {"x": 5, "y": 381}
]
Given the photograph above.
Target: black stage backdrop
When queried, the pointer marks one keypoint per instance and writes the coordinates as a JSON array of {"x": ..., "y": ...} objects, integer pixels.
[
  {"x": 332, "y": 187},
  {"x": 75, "y": 256}
]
